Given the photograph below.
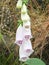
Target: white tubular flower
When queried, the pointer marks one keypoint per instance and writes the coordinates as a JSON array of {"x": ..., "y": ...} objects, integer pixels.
[
  {"x": 22, "y": 55},
  {"x": 19, "y": 4},
  {"x": 27, "y": 24},
  {"x": 28, "y": 47},
  {"x": 25, "y": 17},
  {"x": 27, "y": 33},
  {"x": 19, "y": 36},
  {"x": 24, "y": 9}
]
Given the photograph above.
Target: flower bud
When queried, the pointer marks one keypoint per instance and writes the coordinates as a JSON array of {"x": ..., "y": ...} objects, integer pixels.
[
  {"x": 25, "y": 17},
  {"x": 24, "y": 9},
  {"x": 19, "y": 4}
]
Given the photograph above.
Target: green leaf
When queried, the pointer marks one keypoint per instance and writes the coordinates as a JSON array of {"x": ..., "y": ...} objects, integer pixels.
[
  {"x": 16, "y": 61},
  {"x": 9, "y": 58},
  {"x": 34, "y": 61}
]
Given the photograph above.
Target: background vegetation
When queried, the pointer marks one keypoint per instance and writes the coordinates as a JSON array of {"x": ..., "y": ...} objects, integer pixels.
[{"x": 9, "y": 14}]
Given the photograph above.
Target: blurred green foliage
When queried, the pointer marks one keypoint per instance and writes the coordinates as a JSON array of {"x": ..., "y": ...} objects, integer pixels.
[{"x": 1, "y": 36}]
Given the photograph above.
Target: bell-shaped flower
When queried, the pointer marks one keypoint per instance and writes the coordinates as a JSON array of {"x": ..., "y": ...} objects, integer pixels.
[
  {"x": 19, "y": 4},
  {"x": 27, "y": 24},
  {"x": 24, "y": 9},
  {"x": 28, "y": 47},
  {"x": 27, "y": 33},
  {"x": 19, "y": 36},
  {"x": 22, "y": 55},
  {"x": 25, "y": 17}
]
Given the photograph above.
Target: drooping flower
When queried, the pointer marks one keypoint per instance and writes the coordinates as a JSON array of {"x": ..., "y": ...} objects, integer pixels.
[
  {"x": 27, "y": 33},
  {"x": 27, "y": 47},
  {"x": 25, "y": 17},
  {"x": 27, "y": 24},
  {"x": 19, "y": 36},
  {"x": 19, "y": 4},
  {"x": 24, "y": 9},
  {"x": 22, "y": 55}
]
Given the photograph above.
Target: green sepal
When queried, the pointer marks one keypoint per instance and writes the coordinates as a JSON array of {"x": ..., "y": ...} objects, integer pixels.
[
  {"x": 25, "y": 1},
  {"x": 19, "y": 22}
]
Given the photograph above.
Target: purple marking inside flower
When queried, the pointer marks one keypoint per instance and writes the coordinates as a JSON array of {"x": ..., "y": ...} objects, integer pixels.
[
  {"x": 20, "y": 41},
  {"x": 28, "y": 50},
  {"x": 27, "y": 36},
  {"x": 24, "y": 58}
]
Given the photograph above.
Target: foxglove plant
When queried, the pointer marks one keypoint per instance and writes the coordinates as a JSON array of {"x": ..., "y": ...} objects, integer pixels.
[{"x": 23, "y": 33}]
